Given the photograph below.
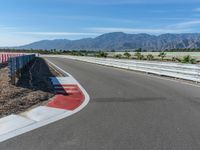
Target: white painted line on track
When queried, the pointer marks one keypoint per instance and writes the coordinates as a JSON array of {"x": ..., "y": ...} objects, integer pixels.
[
  {"x": 65, "y": 80},
  {"x": 87, "y": 97}
]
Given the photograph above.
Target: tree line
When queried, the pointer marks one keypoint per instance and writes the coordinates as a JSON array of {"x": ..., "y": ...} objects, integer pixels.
[{"x": 126, "y": 55}]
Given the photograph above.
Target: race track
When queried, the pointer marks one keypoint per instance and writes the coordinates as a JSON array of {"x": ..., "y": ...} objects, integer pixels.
[{"x": 127, "y": 111}]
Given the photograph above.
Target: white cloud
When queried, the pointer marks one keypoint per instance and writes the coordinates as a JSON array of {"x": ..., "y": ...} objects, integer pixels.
[
  {"x": 11, "y": 36},
  {"x": 4, "y": 28},
  {"x": 93, "y": 18},
  {"x": 22, "y": 38},
  {"x": 181, "y": 27},
  {"x": 14, "y": 40},
  {"x": 187, "y": 24},
  {"x": 57, "y": 33},
  {"x": 136, "y": 30},
  {"x": 197, "y": 10}
]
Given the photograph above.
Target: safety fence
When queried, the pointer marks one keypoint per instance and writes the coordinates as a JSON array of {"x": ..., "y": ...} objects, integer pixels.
[
  {"x": 4, "y": 57},
  {"x": 177, "y": 70},
  {"x": 17, "y": 64}
]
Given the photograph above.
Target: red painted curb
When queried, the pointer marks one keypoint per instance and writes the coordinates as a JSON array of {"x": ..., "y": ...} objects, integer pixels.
[{"x": 68, "y": 97}]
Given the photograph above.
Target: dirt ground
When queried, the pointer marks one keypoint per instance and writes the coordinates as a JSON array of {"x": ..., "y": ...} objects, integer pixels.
[{"x": 33, "y": 87}]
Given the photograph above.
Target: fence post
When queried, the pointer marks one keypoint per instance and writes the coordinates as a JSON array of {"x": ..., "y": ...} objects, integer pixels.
[{"x": 12, "y": 66}]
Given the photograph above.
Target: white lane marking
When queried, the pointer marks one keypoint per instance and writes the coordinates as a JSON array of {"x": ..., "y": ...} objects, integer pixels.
[
  {"x": 65, "y": 80},
  {"x": 87, "y": 97},
  {"x": 12, "y": 123},
  {"x": 39, "y": 124},
  {"x": 65, "y": 88},
  {"x": 42, "y": 113}
]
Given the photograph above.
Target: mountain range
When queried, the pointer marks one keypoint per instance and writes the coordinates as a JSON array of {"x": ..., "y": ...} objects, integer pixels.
[{"x": 122, "y": 41}]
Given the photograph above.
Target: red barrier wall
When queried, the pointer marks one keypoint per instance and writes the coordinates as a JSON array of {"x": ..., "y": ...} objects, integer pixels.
[{"x": 5, "y": 56}]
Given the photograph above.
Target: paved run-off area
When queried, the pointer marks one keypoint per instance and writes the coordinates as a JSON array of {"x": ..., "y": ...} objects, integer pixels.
[{"x": 127, "y": 110}]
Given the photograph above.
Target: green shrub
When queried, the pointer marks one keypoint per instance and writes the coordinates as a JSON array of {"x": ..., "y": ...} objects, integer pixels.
[
  {"x": 139, "y": 56},
  {"x": 102, "y": 54},
  {"x": 119, "y": 56},
  {"x": 127, "y": 55},
  {"x": 188, "y": 59},
  {"x": 162, "y": 55},
  {"x": 150, "y": 57}
]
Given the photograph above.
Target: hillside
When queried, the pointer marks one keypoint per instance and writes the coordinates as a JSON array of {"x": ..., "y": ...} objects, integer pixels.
[{"x": 121, "y": 41}]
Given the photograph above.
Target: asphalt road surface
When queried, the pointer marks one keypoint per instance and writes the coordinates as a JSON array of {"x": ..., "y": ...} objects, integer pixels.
[{"x": 127, "y": 111}]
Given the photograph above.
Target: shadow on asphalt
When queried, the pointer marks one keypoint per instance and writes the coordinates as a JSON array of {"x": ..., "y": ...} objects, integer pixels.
[{"x": 128, "y": 100}]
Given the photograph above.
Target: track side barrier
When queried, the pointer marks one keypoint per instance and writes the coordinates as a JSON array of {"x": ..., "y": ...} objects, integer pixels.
[
  {"x": 4, "y": 57},
  {"x": 177, "y": 70},
  {"x": 17, "y": 64}
]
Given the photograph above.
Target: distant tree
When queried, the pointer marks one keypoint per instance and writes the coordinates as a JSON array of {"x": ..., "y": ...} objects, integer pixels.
[
  {"x": 162, "y": 55},
  {"x": 85, "y": 54},
  {"x": 119, "y": 56},
  {"x": 174, "y": 58},
  {"x": 139, "y": 56},
  {"x": 127, "y": 55},
  {"x": 150, "y": 57},
  {"x": 102, "y": 54},
  {"x": 189, "y": 59}
]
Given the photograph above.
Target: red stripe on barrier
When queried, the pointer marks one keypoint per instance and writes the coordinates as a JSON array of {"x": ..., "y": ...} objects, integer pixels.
[
  {"x": 4, "y": 57},
  {"x": 68, "y": 100}
]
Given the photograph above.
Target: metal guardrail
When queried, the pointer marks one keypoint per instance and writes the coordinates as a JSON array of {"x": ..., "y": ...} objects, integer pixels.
[
  {"x": 177, "y": 70},
  {"x": 17, "y": 64}
]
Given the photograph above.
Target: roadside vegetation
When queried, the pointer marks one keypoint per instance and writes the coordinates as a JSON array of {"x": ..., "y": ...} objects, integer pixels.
[
  {"x": 188, "y": 59},
  {"x": 137, "y": 54},
  {"x": 162, "y": 55},
  {"x": 102, "y": 54},
  {"x": 119, "y": 56},
  {"x": 127, "y": 55},
  {"x": 150, "y": 57}
]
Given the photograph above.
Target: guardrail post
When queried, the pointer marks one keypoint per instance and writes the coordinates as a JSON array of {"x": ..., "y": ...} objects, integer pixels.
[{"x": 12, "y": 66}]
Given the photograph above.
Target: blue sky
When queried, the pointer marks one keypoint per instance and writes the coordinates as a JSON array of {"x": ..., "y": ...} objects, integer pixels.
[{"x": 25, "y": 21}]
